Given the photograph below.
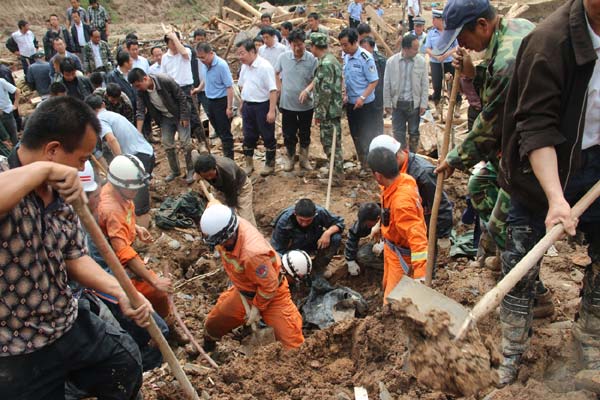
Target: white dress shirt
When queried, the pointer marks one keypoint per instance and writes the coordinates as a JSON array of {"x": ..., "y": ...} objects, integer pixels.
[
  {"x": 257, "y": 81},
  {"x": 141, "y": 63},
  {"x": 25, "y": 43},
  {"x": 178, "y": 67}
]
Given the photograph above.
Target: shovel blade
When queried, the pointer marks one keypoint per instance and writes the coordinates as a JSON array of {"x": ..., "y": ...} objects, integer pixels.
[
  {"x": 426, "y": 299},
  {"x": 259, "y": 338}
]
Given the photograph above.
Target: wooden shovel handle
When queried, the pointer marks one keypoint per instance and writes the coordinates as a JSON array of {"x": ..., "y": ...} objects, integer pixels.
[
  {"x": 107, "y": 253},
  {"x": 492, "y": 299},
  {"x": 439, "y": 187},
  {"x": 209, "y": 196}
]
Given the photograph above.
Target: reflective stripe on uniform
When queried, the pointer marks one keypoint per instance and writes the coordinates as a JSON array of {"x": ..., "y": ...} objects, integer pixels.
[
  {"x": 420, "y": 256},
  {"x": 238, "y": 268}
]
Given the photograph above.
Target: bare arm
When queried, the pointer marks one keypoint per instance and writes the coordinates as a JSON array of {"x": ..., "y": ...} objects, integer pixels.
[
  {"x": 113, "y": 143},
  {"x": 180, "y": 47},
  {"x": 370, "y": 88},
  {"x": 17, "y": 97}
]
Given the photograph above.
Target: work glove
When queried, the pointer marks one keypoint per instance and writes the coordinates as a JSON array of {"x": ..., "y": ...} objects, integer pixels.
[
  {"x": 375, "y": 233},
  {"x": 353, "y": 268},
  {"x": 253, "y": 316},
  {"x": 378, "y": 248}
]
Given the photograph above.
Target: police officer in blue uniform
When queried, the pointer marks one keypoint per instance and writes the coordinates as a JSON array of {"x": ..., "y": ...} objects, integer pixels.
[
  {"x": 360, "y": 77},
  {"x": 441, "y": 64}
]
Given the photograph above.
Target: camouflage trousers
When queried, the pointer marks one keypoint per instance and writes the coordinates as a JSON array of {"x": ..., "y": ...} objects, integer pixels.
[
  {"x": 328, "y": 127},
  {"x": 491, "y": 202}
]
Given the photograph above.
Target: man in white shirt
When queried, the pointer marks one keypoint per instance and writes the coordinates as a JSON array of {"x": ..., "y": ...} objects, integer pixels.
[
  {"x": 413, "y": 9},
  {"x": 26, "y": 43},
  {"x": 177, "y": 63},
  {"x": 138, "y": 61},
  {"x": 259, "y": 99},
  {"x": 6, "y": 108},
  {"x": 156, "y": 53},
  {"x": 80, "y": 33},
  {"x": 271, "y": 50}
]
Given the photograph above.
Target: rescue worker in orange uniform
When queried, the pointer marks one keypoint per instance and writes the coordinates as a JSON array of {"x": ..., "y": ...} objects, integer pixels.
[
  {"x": 116, "y": 217},
  {"x": 254, "y": 269},
  {"x": 402, "y": 223}
]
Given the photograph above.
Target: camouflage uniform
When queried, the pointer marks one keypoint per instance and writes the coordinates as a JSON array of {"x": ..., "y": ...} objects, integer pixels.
[
  {"x": 329, "y": 101},
  {"x": 483, "y": 141}
]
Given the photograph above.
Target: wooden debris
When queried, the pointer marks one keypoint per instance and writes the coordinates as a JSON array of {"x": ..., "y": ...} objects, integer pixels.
[
  {"x": 228, "y": 11},
  {"x": 247, "y": 7},
  {"x": 383, "y": 26}
]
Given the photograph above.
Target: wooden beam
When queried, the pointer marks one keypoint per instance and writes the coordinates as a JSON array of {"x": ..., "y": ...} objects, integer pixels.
[
  {"x": 380, "y": 40},
  {"x": 247, "y": 7},
  {"x": 294, "y": 22},
  {"x": 238, "y": 14},
  {"x": 385, "y": 27},
  {"x": 219, "y": 20}
]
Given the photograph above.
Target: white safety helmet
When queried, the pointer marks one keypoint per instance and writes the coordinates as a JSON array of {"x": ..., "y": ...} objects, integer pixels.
[
  {"x": 87, "y": 178},
  {"x": 297, "y": 263},
  {"x": 218, "y": 223},
  {"x": 385, "y": 141},
  {"x": 127, "y": 172}
]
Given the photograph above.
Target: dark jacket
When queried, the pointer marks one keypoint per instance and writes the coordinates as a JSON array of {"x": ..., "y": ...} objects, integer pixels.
[
  {"x": 83, "y": 89},
  {"x": 357, "y": 231},
  {"x": 115, "y": 76},
  {"x": 546, "y": 102},
  {"x": 48, "y": 41},
  {"x": 230, "y": 179},
  {"x": 38, "y": 77},
  {"x": 194, "y": 65},
  {"x": 380, "y": 62},
  {"x": 77, "y": 47},
  {"x": 288, "y": 235},
  {"x": 172, "y": 96}
]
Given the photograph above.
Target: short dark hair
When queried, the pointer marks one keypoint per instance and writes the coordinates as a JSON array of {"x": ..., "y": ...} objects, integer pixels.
[
  {"x": 305, "y": 208},
  {"x": 94, "y": 101},
  {"x": 297, "y": 34},
  {"x": 287, "y": 25},
  {"x": 154, "y": 48},
  {"x": 199, "y": 32},
  {"x": 363, "y": 28},
  {"x": 258, "y": 39},
  {"x": 122, "y": 58},
  {"x": 383, "y": 161},
  {"x": 94, "y": 30},
  {"x": 350, "y": 33},
  {"x": 407, "y": 41},
  {"x": 113, "y": 90},
  {"x": 57, "y": 88},
  {"x": 131, "y": 36},
  {"x": 247, "y": 44},
  {"x": 67, "y": 65},
  {"x": 266, "y": 15},
  {"x": 368, "y": 40},
  {"x": 96, "y": 78},
  {"x": 56, "y": 39},
  {"x": 268, "y": 31},
  {"x": 167, "y": 39},
  {"x": 205, "y": 163},
  {"x": 368, "y": 212},
  {"x": 93, "y": 2},
  {"x": 136, "y": 75},
  {"x": 73, "y": 12},
  {"x": 130, "y": 43},
  {"x": 22, "y": 23},
  {"x": 313, "y": 15},
  {"x": 53, "y": 15},
  {"x": 204, "y": 47},
  {"x": 488, "y": 14},
  {"x": 64, "y": 119}
]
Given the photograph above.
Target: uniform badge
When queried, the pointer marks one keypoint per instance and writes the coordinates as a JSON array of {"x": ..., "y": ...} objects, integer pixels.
[
  {"x": 372, "y": 68},
  {"x": 262, "y": 271}
]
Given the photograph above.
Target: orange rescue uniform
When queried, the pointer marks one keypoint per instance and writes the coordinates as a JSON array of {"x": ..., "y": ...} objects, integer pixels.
[
  {"x": 116, "y": 217},
  {"x": 405, "y": 234},
  {"x": 254, "y": 268}
]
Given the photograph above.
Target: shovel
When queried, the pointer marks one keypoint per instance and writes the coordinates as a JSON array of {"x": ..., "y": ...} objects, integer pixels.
[
  {"x": 259, "y": 337},
  {"x": 427, "y": 299}
]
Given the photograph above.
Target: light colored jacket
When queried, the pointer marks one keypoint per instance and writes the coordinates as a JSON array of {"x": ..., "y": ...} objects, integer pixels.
[{"x": 392, "y": 82}]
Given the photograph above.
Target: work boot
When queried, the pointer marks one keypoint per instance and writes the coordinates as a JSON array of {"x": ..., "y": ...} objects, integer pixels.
[
  {"x": 586, "y": 329},
  {"x": 209, "y": 344},
  {"x": 173, "y": 164},
  {"x": 288, "y": 161},
  {"x": 269, "y": 166},
  {"x": 516, "y": 317},
  {"x": 304, "y": 162},
  {"x": 249, "y": 167},
  {"x": 189, "y": 165},
  {"x": 413, "y": 143},
  {"x": 542, "y": 304},
  {"x": 485, "y": 249}
]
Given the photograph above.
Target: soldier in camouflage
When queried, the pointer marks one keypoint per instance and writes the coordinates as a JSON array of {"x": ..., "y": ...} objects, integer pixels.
[
  {"x": 327, "y": 87},
  {"x": 477, "y": 27}
]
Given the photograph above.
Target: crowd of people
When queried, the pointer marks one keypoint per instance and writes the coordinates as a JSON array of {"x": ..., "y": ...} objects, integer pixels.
[{"x": 532, "y": 150}]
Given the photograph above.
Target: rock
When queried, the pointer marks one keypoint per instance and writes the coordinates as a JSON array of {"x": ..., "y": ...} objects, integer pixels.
[
  {"x": 315, "y": 364},
  {"x": 576, "y": 275},
  {"x": 174, "y": 244},
  {"x": 348, "y": 165},
  {"x": 588, "y": 379},
  {"x": 384, "y": 394},
  {"x": 188, "y": 237}
]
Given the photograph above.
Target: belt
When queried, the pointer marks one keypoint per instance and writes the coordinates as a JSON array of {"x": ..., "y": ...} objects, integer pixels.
[
  {"x": 185, "y": 87},
  {"x": 250, "y": 295},
  {"x": 256, "y": 102},
  {"x": 400, "y": 251}
]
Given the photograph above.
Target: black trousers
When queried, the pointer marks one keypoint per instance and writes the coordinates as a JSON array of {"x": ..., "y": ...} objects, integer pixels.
[
  {"x": 218, "y": 118},
  {"x": 95, "y": 356},
  {"x": 353, "y": 22},
  {"x": 296, "y": 128},
  {"x": 438, "y": 70},
  {"x": 142, "y": 198},
  {"x": 361, "y": 123},
  {"x": 196, "y": 128}
]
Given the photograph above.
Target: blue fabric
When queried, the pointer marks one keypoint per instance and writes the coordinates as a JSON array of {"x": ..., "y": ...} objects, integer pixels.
[
  {"x": 355, "y": 10},
  {"x": 217, "y": 78},
  {"x": 433, "y": 36},
  {"x": 359, "y": 71}
]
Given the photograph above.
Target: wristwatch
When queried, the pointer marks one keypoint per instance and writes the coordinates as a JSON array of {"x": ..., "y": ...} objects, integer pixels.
[{"x": 362, "y": 97}]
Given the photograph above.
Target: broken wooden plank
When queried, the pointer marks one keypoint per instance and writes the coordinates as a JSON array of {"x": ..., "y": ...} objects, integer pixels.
[
  {"x": 232, "y": 26},
  {"x": 384, "y": 26},
  {"x": 247, "y": 7},
  {"x": 238, "y": 14},
  {"x": 380, "y": 40}
]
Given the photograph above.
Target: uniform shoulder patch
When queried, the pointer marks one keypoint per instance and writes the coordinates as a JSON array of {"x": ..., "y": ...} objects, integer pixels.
[
  {"x": 262, "y": 271},
  {"x": 364, "y": 55},
  {"x": 371, "y": 68}
]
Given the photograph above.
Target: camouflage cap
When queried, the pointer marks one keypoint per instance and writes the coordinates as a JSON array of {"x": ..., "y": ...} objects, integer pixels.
[{"x": 318, "y": 39}]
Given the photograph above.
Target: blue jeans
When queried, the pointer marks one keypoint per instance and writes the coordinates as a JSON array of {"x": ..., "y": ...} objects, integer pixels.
[{"x": 404, "y": 116}]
